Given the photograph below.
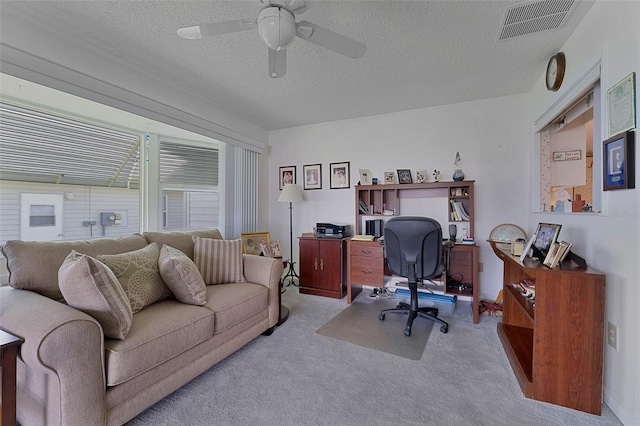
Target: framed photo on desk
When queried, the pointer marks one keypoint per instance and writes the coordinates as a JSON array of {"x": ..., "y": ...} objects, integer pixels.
[{"x": 545, "y": 235}]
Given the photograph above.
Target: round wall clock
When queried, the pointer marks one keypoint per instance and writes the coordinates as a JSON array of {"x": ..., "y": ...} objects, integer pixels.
[{"x": 555, "y": 71}]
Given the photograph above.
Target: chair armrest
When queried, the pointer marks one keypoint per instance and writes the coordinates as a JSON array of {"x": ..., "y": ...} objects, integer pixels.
[
  {"x": 266, "y": 271},
  {"x": 62, "y": 342}
]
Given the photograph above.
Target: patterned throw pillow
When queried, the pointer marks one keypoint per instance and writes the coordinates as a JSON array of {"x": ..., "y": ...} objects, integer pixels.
[
  {"x": 182, "y": 277},
  {"x": 219, "y": 261},
  {"x": 91, "y": 287},
  {"x": 139, "y": 276}
]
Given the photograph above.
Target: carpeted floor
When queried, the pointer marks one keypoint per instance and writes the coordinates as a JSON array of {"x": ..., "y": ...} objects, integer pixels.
[{"x": 299, "y": 377}]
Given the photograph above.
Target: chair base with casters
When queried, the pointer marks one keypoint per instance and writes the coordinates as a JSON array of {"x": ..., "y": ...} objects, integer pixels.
[
  {"x": 414, "y": 311},
  {"x": 413, "y": 249}
]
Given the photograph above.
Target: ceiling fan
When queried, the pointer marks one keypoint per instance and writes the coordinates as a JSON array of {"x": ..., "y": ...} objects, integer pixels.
[{"x": 277, "y": 27}]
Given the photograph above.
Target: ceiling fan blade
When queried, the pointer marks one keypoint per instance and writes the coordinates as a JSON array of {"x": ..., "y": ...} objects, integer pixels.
[
  {"x": 217, "y": 28},
  {"x": 329, "y": 40},
  {"x": 277, "y": 63}
]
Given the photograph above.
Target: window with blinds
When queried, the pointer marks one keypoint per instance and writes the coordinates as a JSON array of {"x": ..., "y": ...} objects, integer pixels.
[{"x": 42, "y": 147}]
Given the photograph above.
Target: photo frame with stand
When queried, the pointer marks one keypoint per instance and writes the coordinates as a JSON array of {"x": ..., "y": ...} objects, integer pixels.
[
  {"x": 546, "y": 234},
  {"x": 253, "y": 243},
  {"x": 404, "y": 176}
]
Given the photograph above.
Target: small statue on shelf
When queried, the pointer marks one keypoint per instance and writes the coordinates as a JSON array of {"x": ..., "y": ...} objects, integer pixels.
[{"x": 436, "y": 175}]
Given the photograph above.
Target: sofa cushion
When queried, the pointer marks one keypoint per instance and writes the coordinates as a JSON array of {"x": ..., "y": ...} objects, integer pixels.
[
  {"x": 34, "y": 265},
  {"x": 138, "y": 273},
  {"x": 234, "y": 303},
  {"x": 182, "y": 240},
  {"x": 219, "y": 261},
  {"x": 159, "y": 333},
  {"x": 182, "y": 277},
  {"x": 91, "y": 287}
]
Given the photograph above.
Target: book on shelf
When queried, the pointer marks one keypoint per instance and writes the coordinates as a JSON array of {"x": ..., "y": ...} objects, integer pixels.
[
  {"x": 364, "y": 209},
  {"x": 467, "y": 240},
  {"x": 458, "y": 211}
]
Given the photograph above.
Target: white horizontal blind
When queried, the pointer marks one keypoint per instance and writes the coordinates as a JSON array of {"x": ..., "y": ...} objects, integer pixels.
[
  {"x": 37, "y": 146},
  {"x": 186, "y": 166}
]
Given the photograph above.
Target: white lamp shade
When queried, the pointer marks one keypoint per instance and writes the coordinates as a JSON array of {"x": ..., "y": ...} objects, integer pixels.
[
  {"x": 277, "y": 27},
  {"x": 291, "y": 193}
]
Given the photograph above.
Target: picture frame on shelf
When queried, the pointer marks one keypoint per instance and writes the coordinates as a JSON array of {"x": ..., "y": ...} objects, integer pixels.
[
  {"x": 287, "y": 175},
  {"x": 276, "y": 248},
  {"x": 621, "y": 105},
  {"x": 389, "y": 178},
  {"x": 312, "y": 174},
  {"x": 339, "y": 175},
  {"x": 404, "y": 176},
  {"x": 365, "y": 177},
  {"x": 546, "y": 234},
  {"x": 252, "y": 242},
  {"x": 618, "y": 162},
  {"x": 421, "y": 176},
  {"x": 266, "y": 249}
]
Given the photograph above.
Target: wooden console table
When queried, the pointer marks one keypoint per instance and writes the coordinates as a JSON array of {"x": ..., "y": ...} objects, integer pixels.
[
  {"x": 8, "y": 354},
  {"x": 366, "y": 266},
  {"x": 555, "y": 346}
]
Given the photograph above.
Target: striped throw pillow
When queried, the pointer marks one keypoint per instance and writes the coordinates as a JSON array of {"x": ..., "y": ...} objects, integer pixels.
[
  {"x": 88, "y": 285},
  {"x": 219, "y": 261}
]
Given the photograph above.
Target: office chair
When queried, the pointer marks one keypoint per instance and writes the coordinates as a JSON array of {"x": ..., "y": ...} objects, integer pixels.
[{"x": 413, "y": 247}]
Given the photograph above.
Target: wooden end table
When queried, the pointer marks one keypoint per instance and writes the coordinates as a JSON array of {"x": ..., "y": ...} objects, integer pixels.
[{"x": 9, "y": 345}]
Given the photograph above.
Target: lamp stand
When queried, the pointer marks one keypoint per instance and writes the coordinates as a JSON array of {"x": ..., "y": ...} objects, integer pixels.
[{"x": 291, "y": 273}]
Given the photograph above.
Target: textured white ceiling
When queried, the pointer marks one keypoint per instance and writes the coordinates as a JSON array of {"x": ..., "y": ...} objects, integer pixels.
[{"x": 419, "y": 53}]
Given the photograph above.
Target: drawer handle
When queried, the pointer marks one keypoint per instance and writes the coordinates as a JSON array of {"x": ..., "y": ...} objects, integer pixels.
[
  {"x": 367, "y": 271},
  {"x": 366, "y": 251}
]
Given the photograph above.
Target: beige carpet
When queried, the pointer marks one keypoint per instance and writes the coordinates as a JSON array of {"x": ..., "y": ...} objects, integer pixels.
[{"x": 359, "y": 324}]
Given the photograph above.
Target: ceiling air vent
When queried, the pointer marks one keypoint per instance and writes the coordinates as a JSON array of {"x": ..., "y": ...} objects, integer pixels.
[{"x": 535, "y": 17}]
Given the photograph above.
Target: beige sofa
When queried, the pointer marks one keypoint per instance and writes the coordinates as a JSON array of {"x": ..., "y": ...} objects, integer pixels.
[{"x": 70, "y": 374}]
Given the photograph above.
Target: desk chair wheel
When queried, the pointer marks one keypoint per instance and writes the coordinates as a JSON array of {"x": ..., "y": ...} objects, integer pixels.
[
  {"x": 444, "y": 329},
  {"x": 381, "y": 317}
]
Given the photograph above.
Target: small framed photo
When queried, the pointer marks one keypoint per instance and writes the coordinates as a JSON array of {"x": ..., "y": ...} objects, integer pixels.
[
  {"x": 312, "y": 177},
  {"x": 389, "y": 178},
  {"x": 618, "y": 162},
  {"x": 545, "y": 235},
  {"x": 365, "y": 177},
  {"x": 287, "y": 175},
  {"x": 252, "y": 243},
  {"x": 276, "y": 249},
  {"x": 404, "y": 176},
  {"x": 339, "y": 173},
  {"x": 421, "y": 176}
]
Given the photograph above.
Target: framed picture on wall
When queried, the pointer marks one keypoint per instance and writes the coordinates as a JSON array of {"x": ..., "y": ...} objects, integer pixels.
[
  {"x": 339, "y": 175},
  {"x": 287, "y": 175},
  {"x": 618, "y": 162},
  {"x": 312, "y": 174}
]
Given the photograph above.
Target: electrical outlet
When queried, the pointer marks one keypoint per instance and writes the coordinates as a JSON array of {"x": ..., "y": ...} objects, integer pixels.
[
  {"x": 479, "y": 266},
  {"x": 612, "y": 335}
]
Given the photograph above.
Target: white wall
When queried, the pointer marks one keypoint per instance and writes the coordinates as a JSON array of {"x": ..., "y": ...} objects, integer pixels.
[
  {"x": 496, "y": 140},
  {"x": 608, "y": 241},
  {"x": 491, "y": 136}
]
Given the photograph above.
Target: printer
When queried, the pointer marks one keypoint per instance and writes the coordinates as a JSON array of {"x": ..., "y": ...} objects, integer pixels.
[{"x": 332, "y": 230}]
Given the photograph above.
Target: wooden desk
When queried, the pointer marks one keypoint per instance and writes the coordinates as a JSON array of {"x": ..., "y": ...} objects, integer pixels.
[
  {"x": 555, "y": 347},
  {"x": 366, "y": 266},
  {"x": 8, "y": 354}
]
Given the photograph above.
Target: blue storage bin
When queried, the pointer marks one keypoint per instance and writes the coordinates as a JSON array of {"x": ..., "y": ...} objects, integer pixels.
[{"x": 445, "y": 304}]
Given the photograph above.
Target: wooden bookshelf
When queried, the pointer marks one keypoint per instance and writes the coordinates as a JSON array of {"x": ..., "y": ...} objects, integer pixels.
[{"x": 555, "y": 345}]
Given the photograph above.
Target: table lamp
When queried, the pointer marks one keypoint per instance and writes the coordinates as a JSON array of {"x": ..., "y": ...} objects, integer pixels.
[{"x": 291, "y": 193}]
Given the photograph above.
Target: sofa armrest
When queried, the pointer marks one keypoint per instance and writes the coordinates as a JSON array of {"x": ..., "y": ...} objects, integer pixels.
[
  {"x": 268, "y": 272},
  {"x": 61, "y": 342}
]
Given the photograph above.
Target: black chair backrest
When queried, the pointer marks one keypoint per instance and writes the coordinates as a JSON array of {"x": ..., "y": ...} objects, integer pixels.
[{"x": 413, "y": 240}]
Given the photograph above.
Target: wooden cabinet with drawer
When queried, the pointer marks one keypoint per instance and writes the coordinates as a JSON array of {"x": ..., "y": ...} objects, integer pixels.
[{"x": 365, "y": 266}]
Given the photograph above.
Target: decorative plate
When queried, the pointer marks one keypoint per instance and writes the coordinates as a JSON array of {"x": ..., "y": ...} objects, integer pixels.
[{"x": 503, "y": 235}]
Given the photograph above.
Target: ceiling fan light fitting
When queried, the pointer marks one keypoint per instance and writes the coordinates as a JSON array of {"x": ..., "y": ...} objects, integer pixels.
[{"x": 276, "y": 27}]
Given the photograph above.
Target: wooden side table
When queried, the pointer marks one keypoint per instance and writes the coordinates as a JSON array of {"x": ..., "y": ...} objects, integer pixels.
[{"x": 9, "y": 345}]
